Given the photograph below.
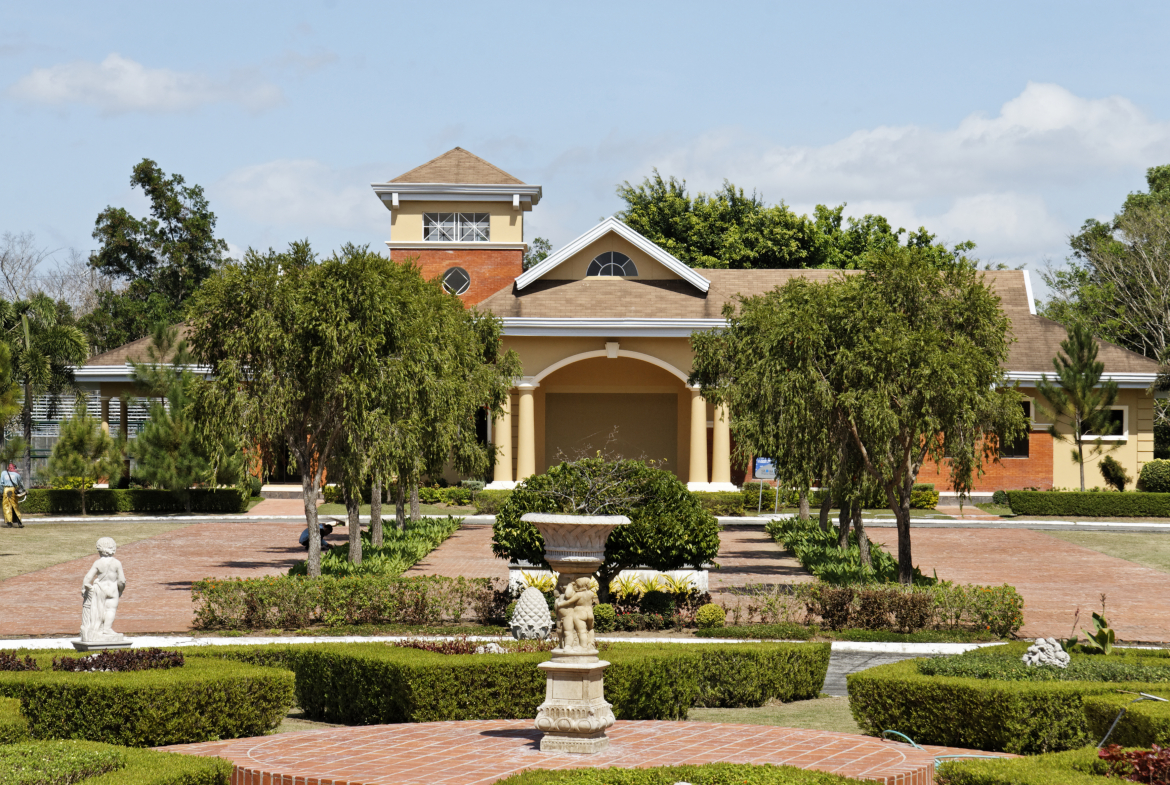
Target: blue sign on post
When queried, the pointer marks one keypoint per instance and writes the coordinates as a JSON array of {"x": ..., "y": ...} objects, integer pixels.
[{"x": 765, "y": 469}]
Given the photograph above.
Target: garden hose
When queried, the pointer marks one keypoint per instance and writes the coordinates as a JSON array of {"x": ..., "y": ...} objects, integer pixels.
[
  {"x": 1142, "y": 696},
  {"x": 938, "y": 758}
]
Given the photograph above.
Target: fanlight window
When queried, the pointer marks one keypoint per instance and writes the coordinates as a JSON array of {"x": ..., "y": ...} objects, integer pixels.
[
  {"x": 456, "y": 280},
  {"x": 612, "y": 263},
  {"x": 457, "y": 227}
]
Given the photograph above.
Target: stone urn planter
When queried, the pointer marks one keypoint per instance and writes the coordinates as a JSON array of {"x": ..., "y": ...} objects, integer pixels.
[{"x": 575, "y": 714}]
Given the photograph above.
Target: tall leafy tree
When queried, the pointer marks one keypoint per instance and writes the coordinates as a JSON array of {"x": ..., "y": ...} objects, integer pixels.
[
  {"x": 538, "y": 251},
  {"x": 170, "y": 450},
  {"x": 46, "y": 345},
  {"x": 1078, "y": 396},
  {"x": 85, "y": 453},
  {"x": 896, "y": 365},
  {"x": 160, "y": 260}
]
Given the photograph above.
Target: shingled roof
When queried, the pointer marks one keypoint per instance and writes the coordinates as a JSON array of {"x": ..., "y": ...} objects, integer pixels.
[
  {"x": 457, "y": 166},
  {"x": 1037, "y": 339},
  {"x": 133, "y": 351}
]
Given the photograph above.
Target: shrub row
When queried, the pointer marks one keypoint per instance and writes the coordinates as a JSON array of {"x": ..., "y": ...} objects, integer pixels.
[
  {"x": 13, "y": 727},
  {"x": 707, "y": 774},
  {"x": 1128, "y": 504},
  {"x": 105, "y": 764},
  {"x": 490, "y": 502},
  {"x": 817, "y": 551},
  {"x": 1077, "y": 767},
  {"x": 722, "y": 502},
  {"x": 206, "y": 699},
  {"x": 981, "y": 665},
  {"x": 456, "y": 494},
  {"x": 105, "y": 500},
  {"x": 361, "y": 684},
  {"x": 400, "y": 549},
  {"x": 290, "y": 603},
  {"x": 1143, "y": 724},
  {"x": 1024, "y": 717}
]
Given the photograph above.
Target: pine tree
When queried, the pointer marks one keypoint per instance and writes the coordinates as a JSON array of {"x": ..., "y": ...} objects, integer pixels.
[
  {"x": 85, "y": 452},
  {"x": 1078, "y": 395}
]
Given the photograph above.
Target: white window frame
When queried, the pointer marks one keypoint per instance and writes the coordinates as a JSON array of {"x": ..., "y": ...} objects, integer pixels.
[
  {"x": 465, "y": 227},
  {"x": 1124, "y": 435},
  {"x": 610, "y": 263}
]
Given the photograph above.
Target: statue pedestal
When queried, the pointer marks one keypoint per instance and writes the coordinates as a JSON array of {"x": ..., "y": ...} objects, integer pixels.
[
  {"x": 574, "y": 714},
  {"x": 96, "y": 645}
]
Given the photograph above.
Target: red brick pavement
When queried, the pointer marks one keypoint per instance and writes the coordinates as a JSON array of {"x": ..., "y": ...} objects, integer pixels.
[
  {"x": 159, "y": 573},
  {"x": 467, "y": 553},
  {"x": 1053, "y": 576},
  {"x": 279, "y": 507},
  {"x": 477, "y": 753},
  {"x": 749, "y": 555}
]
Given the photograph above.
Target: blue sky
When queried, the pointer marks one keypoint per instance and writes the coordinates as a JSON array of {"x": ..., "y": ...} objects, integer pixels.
[{"x": 1004, "y": 123}]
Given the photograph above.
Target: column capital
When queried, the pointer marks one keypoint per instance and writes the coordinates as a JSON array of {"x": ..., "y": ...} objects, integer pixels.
[{"x": 527, "y": 383}]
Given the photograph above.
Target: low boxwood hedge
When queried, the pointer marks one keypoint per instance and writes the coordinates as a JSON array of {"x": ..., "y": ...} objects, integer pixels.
[
  {"x": 1144, "y": 724},
  {"x": 204, "y": 700},
  {"x": 721, "y": 502},
  {"x": 1076, "y": 767},
  {"x": 1092, "y": 504},
  {"x": 707, "y": 774},
  {"x": 105, "y": 500},
  {"x": 371, "y": 683},
  {"x": 45, "y": 762},
  {"x": 13, "y": 727},
  {"x": 490, "y": 502},
  {"x": 1023, "y": 717}
]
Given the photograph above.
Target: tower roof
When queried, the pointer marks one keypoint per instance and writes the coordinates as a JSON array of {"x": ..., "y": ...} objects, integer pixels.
[{"x": 458, "y": 166}]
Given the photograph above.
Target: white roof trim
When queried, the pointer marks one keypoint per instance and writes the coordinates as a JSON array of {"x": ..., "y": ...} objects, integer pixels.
[
  {"x": 599, "y": 353},
  {"x": 1028, "y": 292},
  {"x": 517, "y": 192},
  {"x": 612, "y": 224},
  {"x": 608, "y": 328},
  {"x": 1124, "y": 380},
  {"x": 121, "y": 373}
]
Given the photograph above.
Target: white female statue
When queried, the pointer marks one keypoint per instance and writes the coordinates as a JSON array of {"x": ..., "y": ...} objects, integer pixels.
[{"x": 101, "y": 589}]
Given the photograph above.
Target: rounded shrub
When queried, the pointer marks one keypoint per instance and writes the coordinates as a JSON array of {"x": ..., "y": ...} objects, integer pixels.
[
  {"x": 1000, "y": 498},
  {"x": 656, "y": 602},
  {"x": 668, "y": 528},
  {"x": 604, "y": 617},
  {"x": 710, "y": 616},
  {"x": 1155, "y": 476}
]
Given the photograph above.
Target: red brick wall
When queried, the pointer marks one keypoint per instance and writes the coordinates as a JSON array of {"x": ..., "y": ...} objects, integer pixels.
[
  {"x": 490, "y": 269},
  {"x": 1009, "y": 474}
]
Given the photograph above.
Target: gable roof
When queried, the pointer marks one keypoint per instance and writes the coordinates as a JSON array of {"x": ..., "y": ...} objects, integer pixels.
[
  {"x": 457, "y": 166},
  {"x": 135, "y": 351},
  {"x": 611, "y": 224}
]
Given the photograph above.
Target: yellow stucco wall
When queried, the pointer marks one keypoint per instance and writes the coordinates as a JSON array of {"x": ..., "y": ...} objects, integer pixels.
[
  {"x": 539, "y": 352},
  {"x": 575, "y": 267},
  {"x": 406, "y": 223}
]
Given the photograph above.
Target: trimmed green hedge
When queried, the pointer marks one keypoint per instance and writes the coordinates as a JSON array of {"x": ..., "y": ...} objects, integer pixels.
[
  {"x": 367, "y": 683},
  {"x": 204, "y": 700},
  {"x": 1144, "y": 724},
  {"x": 13, "y": 727},
  {"x": 1077, "y": 767},
  {"x": 1094, "y": 504},
  {"x": 1023, "y": 717},
  {"x": 56, "y": 761},
  {"x": 490, "y": 502},
  {"x": 707, "y": 774},
  {"x": 104, "y": 500},
  {"x": 721, "y": 502}
]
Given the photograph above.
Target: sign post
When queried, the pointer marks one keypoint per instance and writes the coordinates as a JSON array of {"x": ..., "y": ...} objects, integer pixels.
[{"x": 764, "y": 469}]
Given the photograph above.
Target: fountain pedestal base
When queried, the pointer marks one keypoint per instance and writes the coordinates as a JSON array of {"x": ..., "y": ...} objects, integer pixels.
[{"x": 575, "y": 714}]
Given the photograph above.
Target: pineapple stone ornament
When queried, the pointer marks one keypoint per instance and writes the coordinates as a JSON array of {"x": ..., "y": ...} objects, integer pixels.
[{"x": 531, "y": 620}]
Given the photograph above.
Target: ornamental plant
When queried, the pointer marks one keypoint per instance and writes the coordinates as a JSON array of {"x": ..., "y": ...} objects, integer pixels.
[{"x": 85, "y": 452}]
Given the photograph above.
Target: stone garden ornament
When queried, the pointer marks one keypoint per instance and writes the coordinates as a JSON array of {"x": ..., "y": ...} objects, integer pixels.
[
  {"x": 574, "y": 714},
  {"x": 1046, "y": 651},
  {"x": 101, "y": 589},
  {"x": 530, "y": 617}
]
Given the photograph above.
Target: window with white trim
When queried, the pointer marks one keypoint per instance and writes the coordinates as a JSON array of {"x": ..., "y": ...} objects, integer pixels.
[
  {"x": 1019, "y": 447},
  {"x": 1119, "y": 424},
  {"x": 612, "y": 263},
  {"x": 457, "y": 227}
]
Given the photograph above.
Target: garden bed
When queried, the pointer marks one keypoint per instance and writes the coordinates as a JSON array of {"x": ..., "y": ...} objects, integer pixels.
[{"x": 104, "y": 764}]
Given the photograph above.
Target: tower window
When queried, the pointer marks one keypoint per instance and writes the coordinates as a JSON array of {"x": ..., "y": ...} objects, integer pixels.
[
  {"x": 457, "y": 227},
  {"x": 612, "y": 263},
  {"x": 456, "y": 280}
]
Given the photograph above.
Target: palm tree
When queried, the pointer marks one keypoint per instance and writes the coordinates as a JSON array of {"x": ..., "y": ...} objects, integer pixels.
[{"x": 45, "y": 348}]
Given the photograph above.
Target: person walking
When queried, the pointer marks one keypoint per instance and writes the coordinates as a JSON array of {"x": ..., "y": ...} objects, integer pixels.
[{"x": 12, "y": 484}]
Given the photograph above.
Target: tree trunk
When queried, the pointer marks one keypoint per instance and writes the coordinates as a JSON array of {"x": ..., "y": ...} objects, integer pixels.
[
  {"x": 862, "y": 537},
  {"x": 376, "y": 513},
  {"x": 309, "y": 489},
  {"x": 353, "y": 521},
  {"x": 1081, "y": 462},
  {"x": 905, "y": 561},
  {"x": 400, "y": 504},
  {"x": 843, "y": 526},
  {"x": 802, "y": 510},
  {"x": 415, "y": 513},
  {"x": 826, "y": 505}
]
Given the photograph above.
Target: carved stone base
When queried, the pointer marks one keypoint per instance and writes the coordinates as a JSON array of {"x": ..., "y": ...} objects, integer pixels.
[
  {"x": 574, "y": 714},
  {"x": 95, "y": 645}
]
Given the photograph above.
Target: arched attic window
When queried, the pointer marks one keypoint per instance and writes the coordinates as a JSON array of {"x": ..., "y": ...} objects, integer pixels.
[{"x": 612, "y": 263}]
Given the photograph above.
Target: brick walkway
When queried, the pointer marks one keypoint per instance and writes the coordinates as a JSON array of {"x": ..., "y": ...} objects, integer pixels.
[
  {"x": 749, "y": 555},
  {"x": 278, "y": 507},
  {"x": 1053, "y": 576},
  {"x": 470, "y": 753},
  {"x": 467, "y": 553},
  {"x": 969, "y": 512},
  {"x": 159, "y": 573}
]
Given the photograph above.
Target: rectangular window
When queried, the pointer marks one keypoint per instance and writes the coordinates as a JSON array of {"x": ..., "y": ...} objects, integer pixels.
[
  {"x": 1118, "y": 424},
  {"x": 1019, "y": 447},
  {"x": 457, "y": 227}
]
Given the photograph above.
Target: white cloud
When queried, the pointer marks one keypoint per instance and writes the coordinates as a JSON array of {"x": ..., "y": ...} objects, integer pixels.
[{"x": 118, "y": 85}]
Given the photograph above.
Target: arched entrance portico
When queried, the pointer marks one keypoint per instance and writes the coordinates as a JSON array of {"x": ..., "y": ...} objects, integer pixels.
[{"x": 620, "y": 402}]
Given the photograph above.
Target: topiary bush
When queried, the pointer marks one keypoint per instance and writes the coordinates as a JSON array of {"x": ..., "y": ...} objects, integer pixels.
[
  {"x": 1155, "y": 476},
  {"x": 923, "y": 498},
  {"x": 61, "y": 762},
  {"x": 490, "y": 502},
  {"x": 604, "y": 618},
  {"x": 1000, "y": 498},
  {"x": 669, "y": 529},
  {"x": 710, "y": 617}
]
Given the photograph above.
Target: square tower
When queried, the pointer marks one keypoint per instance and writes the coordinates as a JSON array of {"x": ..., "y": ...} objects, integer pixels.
[{"x": 462, "y": 220}]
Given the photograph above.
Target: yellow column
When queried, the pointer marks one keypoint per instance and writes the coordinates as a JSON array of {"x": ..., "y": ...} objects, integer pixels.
[
  {"x": 502, "y": 433},
  {"x": 721, "y": 447},
  {"x": 105, "y": 414},
  {"x": 698, "y": 473},
  {"x": 526, "y": 433}
]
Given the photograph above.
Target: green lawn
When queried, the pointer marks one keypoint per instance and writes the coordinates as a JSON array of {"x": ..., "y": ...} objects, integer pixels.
[
  {"x": 996, "y": 509},
  {"x": 1144, "y": 548},
  {"x": 388, "y": 510},
  {"x": 824, "y": 713},
  {"x": 42, "y": 545}
]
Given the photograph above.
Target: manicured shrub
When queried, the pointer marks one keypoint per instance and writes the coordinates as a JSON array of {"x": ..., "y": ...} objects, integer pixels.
[
  {"x": 763, "y": 632},
  {"x": 726, "y": 503},
  {"x": 206, "y": 699},
  {"x": 1131, "y": 504},
  {"x": 657, "y": 602},
  {"x": 103, "y": 500},
  {"x": 706, "y": 774},
  {"x": 988, "y": 665},
  {"x": 1154, "y": 476},
  {"x": 754, "y": 500},
  {"x": 1000, "y": 498},
  {"x": 59, "y": 762},
  {"x": 710, "y": 616},
  {"x": 1143, "y": 724},
  {"x": 490, "y": 502},
  {"x": 1076, "y": 767},
  {"x": 604, "y": 617},
  {"x": 923, "y": 499},
  {"x": 13, "y": 727},
  {"x": 669, "y": 530}
]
